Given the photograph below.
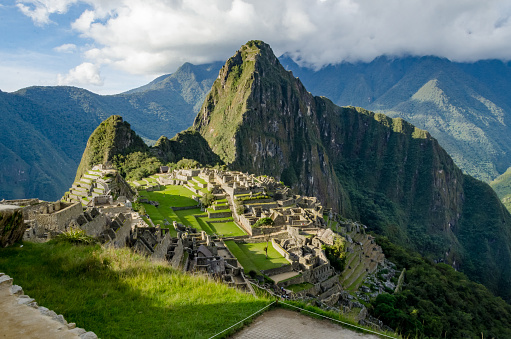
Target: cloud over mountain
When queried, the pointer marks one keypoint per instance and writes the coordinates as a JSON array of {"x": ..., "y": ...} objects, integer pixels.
[{"x": 156, "y": 36}]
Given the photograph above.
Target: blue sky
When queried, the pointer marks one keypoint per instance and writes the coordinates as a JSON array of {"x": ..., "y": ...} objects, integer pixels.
[{"x": 110, "y": 46}]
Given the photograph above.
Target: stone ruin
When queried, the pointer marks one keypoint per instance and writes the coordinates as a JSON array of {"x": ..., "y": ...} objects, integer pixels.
[
  {"x": 190, "y": 252},
  {"x": 12, "y": 226}
]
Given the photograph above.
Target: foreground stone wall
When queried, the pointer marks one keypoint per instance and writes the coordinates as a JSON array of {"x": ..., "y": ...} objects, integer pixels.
[
  {"x": 12, "y": 226},
  {"x": 58, "y": 220},
  {"x": 26, "y": 318}
]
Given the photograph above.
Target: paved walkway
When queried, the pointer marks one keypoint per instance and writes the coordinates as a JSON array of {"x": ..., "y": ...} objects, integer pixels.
[
  {"x": 286, "y": 324},
  {"x": 22, "y": 321}
]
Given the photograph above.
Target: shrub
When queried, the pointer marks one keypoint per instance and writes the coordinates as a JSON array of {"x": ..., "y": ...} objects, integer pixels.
[
  {"x": 263, "y": 222},
  {"x": 75, "y": 236}
]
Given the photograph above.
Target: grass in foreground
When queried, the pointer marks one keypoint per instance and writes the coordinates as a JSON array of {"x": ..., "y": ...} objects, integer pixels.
[{"x": 118, "y": 294}]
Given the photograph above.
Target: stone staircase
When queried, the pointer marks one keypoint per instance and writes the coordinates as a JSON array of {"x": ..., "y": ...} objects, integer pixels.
[
  {"x": 363, "y": 260},
  {"x": 90, "y": 185}
]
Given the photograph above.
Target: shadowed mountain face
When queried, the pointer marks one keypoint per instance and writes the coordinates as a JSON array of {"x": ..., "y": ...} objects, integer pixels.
[
  {"x": 45, "y": 129},
  {"x": 465, "y": 106},
  {"x": 385, "y": 172}
]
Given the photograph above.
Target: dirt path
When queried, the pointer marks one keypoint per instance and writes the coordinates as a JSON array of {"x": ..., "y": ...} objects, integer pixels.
[
  {"x": 23, "y": 321},
  {"x": 284, "y": 324}
]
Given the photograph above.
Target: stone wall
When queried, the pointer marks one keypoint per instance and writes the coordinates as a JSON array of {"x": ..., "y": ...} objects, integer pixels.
[
  {"x": 95, "y": 226},
  {"x": 20, "y": 202},
  {"x": 123, "y": 232},
  {"x": 278, "y": 270},
  {"x": 58, "y": 220},
  {"x": 12, "y": 226},
  {"x": 160, "y": 251},
  {"x": 281, "y": 250},
  {"x": 219, "y": 214}
]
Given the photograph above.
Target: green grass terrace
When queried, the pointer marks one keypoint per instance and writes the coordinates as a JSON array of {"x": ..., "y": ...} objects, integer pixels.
[
  {"x": 253, "y": 258},
  {"x": 179, "y": 196}
]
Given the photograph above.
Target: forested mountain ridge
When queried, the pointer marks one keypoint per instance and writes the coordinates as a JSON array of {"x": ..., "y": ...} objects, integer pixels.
[
  {"x": 45, "y": 129},
  {"x": 463, "y": 105},
  {"x": 385, "y": 172}
]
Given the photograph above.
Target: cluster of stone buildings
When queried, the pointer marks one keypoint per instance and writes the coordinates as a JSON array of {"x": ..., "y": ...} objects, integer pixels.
[{"x": 298, "y": 230}]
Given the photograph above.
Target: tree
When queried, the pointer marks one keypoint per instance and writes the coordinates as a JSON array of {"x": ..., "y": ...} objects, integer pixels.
[{"x": 207, "y": 199}]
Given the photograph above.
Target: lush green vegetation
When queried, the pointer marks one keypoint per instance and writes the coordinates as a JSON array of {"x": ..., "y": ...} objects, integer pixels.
[
  {"x": 336, "y": 253},
  {"x": 263, "y": 222},
  {"x": 118, "y": 294},
  {"x": 253, "y": 256},
  {"x": 437, "y": 302},
  {"x": 136, "y": 165}
]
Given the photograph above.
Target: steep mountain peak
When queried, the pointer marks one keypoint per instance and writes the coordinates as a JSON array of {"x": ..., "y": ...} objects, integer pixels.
[{"x": 112, "y": 137}]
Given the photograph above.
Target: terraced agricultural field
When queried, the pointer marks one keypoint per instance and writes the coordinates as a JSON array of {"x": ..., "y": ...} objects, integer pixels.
[{"x": 253, "y": 257}]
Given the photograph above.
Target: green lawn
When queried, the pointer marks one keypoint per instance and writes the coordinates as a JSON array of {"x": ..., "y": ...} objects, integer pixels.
[
  {"x": 228, "y": 228},
  {"x": 199, "y": 179},
  {"x": 242, "y": 257},
  {"x": 172, "y": 196},
  {"x": 119, "y": 294},
  {"x": 253, "y": 257},
  {"x": 299, "y": 287},
  {"x": 188, "y": 219}
]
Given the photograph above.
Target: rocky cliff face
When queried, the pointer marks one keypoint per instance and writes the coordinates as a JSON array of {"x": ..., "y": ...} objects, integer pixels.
[{"x": 385, "y": 172}]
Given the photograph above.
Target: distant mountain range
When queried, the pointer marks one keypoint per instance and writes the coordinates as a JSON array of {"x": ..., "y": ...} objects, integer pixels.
[
  {"x": 465, "y": 106},
  {"x": 45, "y": 129}
]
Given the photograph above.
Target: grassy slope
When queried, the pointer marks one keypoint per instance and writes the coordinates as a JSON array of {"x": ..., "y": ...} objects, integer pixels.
[
  {"x": 117, "y": 293},
  {"x": 228, "y": 228},
  {"x": 502, "y": 185}
]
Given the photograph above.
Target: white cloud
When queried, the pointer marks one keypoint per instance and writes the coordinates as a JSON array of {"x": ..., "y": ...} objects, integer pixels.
[
  {"x": 84, "y": 74},
  {"x": 156, "y": 36},
  {"x": 66, "y": 48},
  {"x": 39, "y": 10}
]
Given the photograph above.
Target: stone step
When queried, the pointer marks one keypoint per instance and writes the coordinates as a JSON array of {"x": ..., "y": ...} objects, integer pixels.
[
  {"x": 5, "y": 281},
  {"x": 79, "y": 189},
  {"x": 361, "y": 269},
  {"x": 85, "y": 180},
  {"x": 92, "y": 177},
  {"x": 79, "y": 193}
]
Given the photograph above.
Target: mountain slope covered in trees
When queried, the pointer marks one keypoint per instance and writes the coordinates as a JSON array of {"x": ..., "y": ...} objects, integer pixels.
[
  {"x": 385, "y": 172},
  {"x": 45, "y": 129},
  {"x": 465, "y": 106}
]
